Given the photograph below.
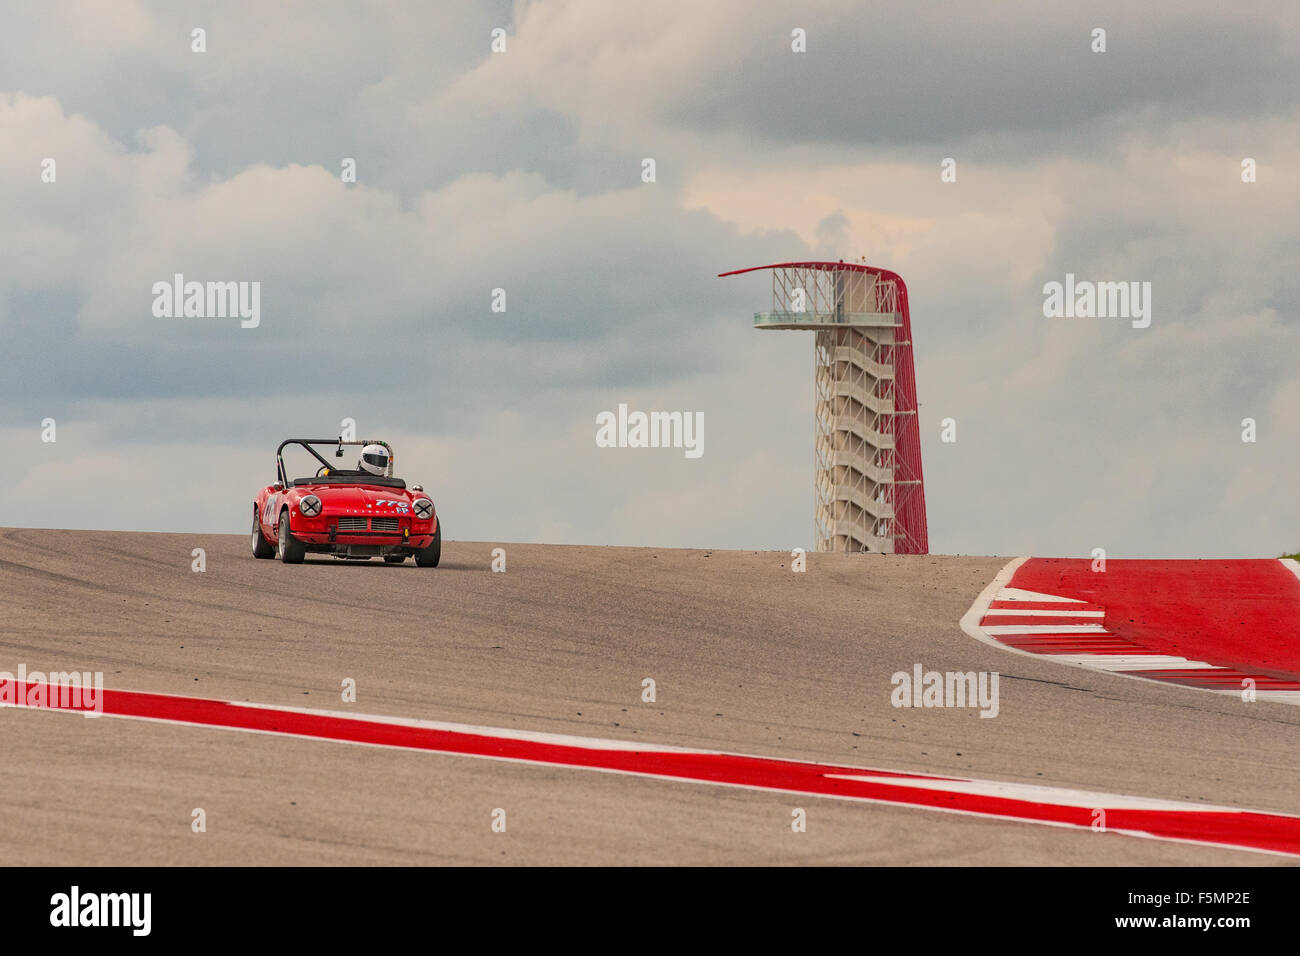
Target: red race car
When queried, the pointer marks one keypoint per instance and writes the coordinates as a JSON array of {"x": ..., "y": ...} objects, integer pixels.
[{"x": 354, "y": 514}]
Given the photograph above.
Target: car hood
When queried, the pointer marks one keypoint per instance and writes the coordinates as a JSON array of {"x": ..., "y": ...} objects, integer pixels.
[{"x": 351, "y": 498}]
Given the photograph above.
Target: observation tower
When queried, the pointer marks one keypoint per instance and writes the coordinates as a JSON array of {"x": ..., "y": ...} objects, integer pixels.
[{"x": 870, "y": 494}]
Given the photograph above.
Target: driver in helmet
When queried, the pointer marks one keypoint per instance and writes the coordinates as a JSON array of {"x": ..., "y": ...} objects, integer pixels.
[{"x": 374, "y": 460}]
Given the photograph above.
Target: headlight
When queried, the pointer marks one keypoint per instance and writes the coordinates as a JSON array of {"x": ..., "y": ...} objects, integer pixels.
[
  {"x": 309, "y": 506},
  {"x": 423, "y": 508}
]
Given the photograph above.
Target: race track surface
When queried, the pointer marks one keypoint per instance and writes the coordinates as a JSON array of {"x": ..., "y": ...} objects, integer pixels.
[{"x": 747, "y": 657}]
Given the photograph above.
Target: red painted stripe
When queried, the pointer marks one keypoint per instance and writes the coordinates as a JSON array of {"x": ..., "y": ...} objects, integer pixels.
[
  {"x": 1041, "y": 606},
  {"x": 1241, "y": 614},
  {"x": 1240, "y": 829},
  {"x": 1035, "y": 644}
]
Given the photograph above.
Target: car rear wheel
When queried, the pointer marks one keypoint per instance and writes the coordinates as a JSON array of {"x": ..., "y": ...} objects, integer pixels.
[
  {"x": 261, "y": 547},
  {"x": 430, "y": 556},
  {"x": 289, "y": 549}
]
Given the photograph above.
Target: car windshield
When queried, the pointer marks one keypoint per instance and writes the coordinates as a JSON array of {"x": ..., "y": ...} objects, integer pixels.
[{"x": 301, "y": 466}]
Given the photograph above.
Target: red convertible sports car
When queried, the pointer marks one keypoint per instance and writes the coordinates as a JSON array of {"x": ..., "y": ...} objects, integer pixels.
[{"x": 355, "y": 514}]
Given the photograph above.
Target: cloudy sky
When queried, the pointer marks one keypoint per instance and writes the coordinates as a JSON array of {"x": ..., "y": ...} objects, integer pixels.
[{"x": 522, "y": 170}]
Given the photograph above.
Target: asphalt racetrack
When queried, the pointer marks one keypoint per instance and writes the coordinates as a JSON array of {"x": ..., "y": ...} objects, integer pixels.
[{"x": 747, "y": 657}]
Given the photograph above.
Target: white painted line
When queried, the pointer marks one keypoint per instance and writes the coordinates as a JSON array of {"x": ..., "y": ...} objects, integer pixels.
[
  {"x": 1037, "y": 793},
  {"x": 1018, "y": 594},
  {"x": 1292, "y": 565},
  {"x": 970, "y": 621},
  {"x": 1044, "y": 629},
  {"x": 1021, "y": 612},
  {"x": 1133, "y": 662},
  {"x": 534, "y": 736},
  {"x": 1277, "y": 696}
]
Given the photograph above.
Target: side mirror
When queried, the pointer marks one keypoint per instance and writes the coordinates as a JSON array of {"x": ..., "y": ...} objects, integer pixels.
[
  {"x": 278, "y": 486},
  {"x": 417, "y": 487}
]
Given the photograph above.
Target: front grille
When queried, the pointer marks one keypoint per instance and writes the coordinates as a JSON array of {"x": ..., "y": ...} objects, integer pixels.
[{"x": 362, "y": 523}]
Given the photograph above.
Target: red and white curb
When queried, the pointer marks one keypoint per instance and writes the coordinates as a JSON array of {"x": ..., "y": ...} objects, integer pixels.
[
  {"x": 1073, "y": 632},
  {"x": 1168, "y": 820}
]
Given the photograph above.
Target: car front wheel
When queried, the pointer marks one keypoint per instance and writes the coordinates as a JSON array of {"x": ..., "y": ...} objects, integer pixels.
[
  {"x": 430, "y": 556},
  {"x": 261, "y": 547},
  {"x": 289, "y": 548}
]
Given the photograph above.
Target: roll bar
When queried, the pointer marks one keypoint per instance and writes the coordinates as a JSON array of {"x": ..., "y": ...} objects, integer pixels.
[{"x": 307, "y": 443}]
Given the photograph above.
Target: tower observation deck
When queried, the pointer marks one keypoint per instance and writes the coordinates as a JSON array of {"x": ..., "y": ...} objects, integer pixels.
[{"x": 870, "y": 494}]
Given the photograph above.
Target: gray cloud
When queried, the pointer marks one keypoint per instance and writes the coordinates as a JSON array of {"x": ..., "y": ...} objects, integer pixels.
[{"x": 897, "y": 74}]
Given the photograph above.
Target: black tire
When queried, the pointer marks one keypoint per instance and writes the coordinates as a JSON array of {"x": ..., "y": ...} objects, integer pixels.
[
  {"x": 261, "y": 547},
  {"x": 289, "y": 548},
  {"x": 394, "y": 558},
  {"x": 430, "y": 556}
]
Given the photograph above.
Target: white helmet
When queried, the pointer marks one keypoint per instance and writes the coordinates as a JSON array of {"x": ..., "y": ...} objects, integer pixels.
[{"x": 374, "y": 459}]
